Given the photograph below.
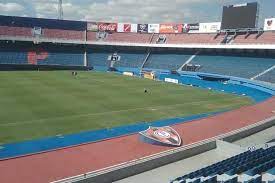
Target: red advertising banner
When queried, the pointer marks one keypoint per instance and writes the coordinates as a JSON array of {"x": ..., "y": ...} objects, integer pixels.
[
  {"x": 127, "y": 27},
  {"x": 170, "y": 28},
  {"x": 108, "y": 27}
]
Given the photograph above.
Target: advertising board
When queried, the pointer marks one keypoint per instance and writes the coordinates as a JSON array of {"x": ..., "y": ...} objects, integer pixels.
[
  {"x": 170, "y": 80},
  {"x": 133, "y": 27},
  {"x": 209, "y": 27},
  {"x": 92, "y": 26},
  {"x": 153, "y": 28},
  {"x": 191, "y": 28},
  {"x": 269, "y": 24},
  {"x": 124, "y": 27},
  {"x": 170, "y": 28},
  {"x": 142, "y": 28},
  {"x": 108, "y": 27}
]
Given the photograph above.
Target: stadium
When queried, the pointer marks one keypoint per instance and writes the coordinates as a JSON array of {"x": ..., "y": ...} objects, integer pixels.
[{"x": 88, "y": 101}]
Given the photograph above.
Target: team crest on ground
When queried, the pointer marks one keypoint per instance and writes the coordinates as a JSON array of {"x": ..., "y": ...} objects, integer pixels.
[{"x": 161, "y": 135}]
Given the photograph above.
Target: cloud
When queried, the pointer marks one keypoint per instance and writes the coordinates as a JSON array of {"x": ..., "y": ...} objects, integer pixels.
[
  {"x": 140, "y": 11},
  {"x": 135, "y": 11},
  {"x": 148, "y": 11},
  {"x": 11, "y": 7}
]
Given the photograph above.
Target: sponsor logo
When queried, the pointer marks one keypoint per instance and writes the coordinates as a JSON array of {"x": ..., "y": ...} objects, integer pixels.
[
  {"x": 35, "y": 56},
  {"x": 127, "y": 27},
  {"x": 209, "y": 27},
  {"x": 164, "y": 135},
  {"x": 142, "y": 27},
  {"x": 185, "y": 28},
  {"x": 92, "y": 26},
  {"x": 195, "y": 26},
  {"x": 170, "y": 28},
  {"x": 109, "y": 27},
  {"x": 128, "y": 73},
  {"x": 269, "y": 22},
  {"x": 170, "y": 80},
  {"x": 153, "y": 28}
]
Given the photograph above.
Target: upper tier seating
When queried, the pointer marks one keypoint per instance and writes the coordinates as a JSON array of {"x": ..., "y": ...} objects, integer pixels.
[
  {"x": 193, "y": 38},
  {"x": 46, "y": 33},
  {"x": 15, "y": 31},
  {"x": 91, "y": 36},
  {"x": 250, "y": 163},
  {"x": 265, "y": 38},
  {"x": 127, "y": 37},
  {"x": 150, "y": 38},
  {"x": 63, "y": 34}
]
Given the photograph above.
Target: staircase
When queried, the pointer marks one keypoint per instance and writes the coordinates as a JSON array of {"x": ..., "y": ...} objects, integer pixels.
[
  {"x": 189, "y": 60},
  {"x": 145, "y": 59},
  {"x": 264, "y": 72}
]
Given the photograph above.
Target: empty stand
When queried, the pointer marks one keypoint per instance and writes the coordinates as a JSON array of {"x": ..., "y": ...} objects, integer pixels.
[
  {"x": 15, "y": 31},
  {"x": 129, "y": 37},
  {"x": 166, "y": 61},
  {"x": 268, "y": 77},
  {"x": 248, "y": 166},
  {"x": 265, "y": 38},
  {"x": 63, "y": 34},
  {"x": 132, "y": 60},
  {"x": 66, "y": 59},
  {"x": 99, "y": 60},
  {"x": 193, "y": 38},
  {"x": 13, "y": 57},
  {"x": 245, "y": 67},
  {"x": 127, "y": 59},
  {"x": 91, "y": 36},
  {"x": 11, "y": 54}
]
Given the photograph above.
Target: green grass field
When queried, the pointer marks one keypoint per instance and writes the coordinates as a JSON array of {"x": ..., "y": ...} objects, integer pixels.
[{"x": 40, "y": 104}]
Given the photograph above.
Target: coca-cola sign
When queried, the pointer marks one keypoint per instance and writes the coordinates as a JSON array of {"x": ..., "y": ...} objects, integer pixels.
[{"x": 108, "y": 27}]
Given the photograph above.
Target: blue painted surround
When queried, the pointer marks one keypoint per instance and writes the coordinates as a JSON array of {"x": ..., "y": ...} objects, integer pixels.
[{"x": 257, "y": 91}]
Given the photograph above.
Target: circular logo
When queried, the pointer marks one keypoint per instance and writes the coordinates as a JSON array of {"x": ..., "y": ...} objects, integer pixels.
[{"x": 162, "y": 134}]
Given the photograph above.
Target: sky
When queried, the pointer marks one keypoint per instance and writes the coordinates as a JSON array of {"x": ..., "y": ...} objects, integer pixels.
[{"x": 132, "y": 11}]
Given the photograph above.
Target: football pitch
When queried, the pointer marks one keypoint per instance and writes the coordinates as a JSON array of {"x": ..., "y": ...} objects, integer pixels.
[{"x": 41, "y": 104}]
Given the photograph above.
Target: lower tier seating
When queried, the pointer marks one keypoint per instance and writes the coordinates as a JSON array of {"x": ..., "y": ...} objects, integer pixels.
[{"x": 248, "y": 166}]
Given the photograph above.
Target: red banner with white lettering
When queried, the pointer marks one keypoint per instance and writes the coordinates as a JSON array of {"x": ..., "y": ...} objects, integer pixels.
[{"x": 107, "y": 27}]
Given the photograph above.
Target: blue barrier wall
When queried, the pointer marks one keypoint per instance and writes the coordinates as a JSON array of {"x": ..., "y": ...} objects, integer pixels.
[{"x": 257, "y": 92}]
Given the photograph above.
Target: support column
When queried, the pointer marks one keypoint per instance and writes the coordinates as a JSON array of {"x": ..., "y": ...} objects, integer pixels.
[{"x": 85, "y": 61}]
